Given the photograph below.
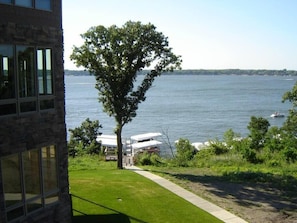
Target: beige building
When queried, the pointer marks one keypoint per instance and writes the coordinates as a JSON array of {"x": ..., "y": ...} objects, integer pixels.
[{"x": 33, "y": 151}]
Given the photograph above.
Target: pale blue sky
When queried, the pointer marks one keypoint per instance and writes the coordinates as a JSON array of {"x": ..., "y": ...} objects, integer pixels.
[{"x": 208, "y": 34}]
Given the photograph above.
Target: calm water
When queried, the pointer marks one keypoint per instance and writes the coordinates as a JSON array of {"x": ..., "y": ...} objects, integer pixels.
[{"x": 195, "y": 107}]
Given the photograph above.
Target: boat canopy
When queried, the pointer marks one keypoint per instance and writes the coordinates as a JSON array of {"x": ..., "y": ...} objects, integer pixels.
[
  {"x": 146, "y": 144},
  {"x": 107, "y": 140},
  {"x": 146, "y": 136}
]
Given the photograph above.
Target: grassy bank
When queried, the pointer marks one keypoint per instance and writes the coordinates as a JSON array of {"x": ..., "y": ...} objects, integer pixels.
[{"x": 102, "y": 193}]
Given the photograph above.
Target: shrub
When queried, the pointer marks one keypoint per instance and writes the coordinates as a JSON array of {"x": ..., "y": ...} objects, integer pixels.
[
  {"x": 184, "y": 152},
  {"x": 146, "y": 158},
  {"x": 218, "y": 147},
  {"x": 290, "y": 154}
]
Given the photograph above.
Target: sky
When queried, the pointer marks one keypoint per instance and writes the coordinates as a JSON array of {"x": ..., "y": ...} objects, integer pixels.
[{"x": 208, "y": 34}]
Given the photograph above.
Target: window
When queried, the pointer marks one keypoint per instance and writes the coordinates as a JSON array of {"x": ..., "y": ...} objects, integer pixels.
[
  {"x": 31, "y": 176},
  {"x": 45, "y": 75},
  {"x": 26, "y": 71},
  {"x": 30, "y": 181},
  {"x": 7, "y": 80},
  {"x": 43, "y": 4},
  {"x": 11, "y": 176},
  {"x": 6, "y": 1},
  {"x": 33, "y": 89},
  {"x": 45, "y": 78},
  {"x": 37, "y": 4},
  {"x": 25, "y": 3},
  {"x": 49, "y": 170},
  {"x": 26, "y": 78}
]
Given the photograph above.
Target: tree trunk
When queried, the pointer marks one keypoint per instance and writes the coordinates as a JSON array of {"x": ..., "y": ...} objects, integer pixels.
[{"x": 120, "y": 146}]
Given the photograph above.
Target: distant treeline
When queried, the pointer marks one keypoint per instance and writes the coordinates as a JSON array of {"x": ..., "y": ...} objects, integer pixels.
[{"x": 208, "y": 72}]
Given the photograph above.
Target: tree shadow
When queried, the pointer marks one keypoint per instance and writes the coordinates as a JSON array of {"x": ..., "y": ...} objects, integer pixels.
[
  {"x": 106, "y": 218},
  {"x": 278, "y": 192}
]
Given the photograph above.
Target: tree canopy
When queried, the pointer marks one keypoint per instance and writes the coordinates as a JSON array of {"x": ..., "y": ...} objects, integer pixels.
[{"x": 115, "y": 55}]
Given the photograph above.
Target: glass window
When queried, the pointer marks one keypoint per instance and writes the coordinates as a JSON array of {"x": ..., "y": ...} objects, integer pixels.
[
  {"x": 47, "y": 104},
  {"x": 25, "y": 56},
  {"x": 31, "y": 173},
  {"x": 49, "y": 168},
  {"x": 40, "y": 71},
  {"x": 34, "y": 204},
  {"x": 28, "y": 106},
  {"x": 51, "y": 199},
  {"x": 26, "y": 3},
  {"x": 7, "y": 83},
  {"x": 29, "y": 182},
  {"x": 6, "y": 1},
  {"x": 49, "y": 72},
  {"x": 7, "y": 109},
  {"x": 11, "y": 177},
  {"x": 15, "y": 213},
  {"x": 45, "y": 74},
  {"x": 43, "y": 4}
]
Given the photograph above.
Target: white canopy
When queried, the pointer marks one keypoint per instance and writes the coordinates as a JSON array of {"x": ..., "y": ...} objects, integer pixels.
[
  {"x": 145, "y": 136},
  {"x": 107, "y": 140},
  {"x": 146, "y": 144}
]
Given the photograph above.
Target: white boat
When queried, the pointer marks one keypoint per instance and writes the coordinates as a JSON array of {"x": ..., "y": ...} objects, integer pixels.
[{"x": 277, "y": 115}]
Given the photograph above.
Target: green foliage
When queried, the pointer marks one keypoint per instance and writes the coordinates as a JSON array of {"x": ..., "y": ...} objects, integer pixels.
[
  {"x": 250, "y": 155},
  {"x": 184, "y": 152},
  {"x": 115, "y": 55},
  {"x": 202, "y": 158},
  {"x": 230, "y": 138},
  {"x": 148, "y": 159},
  {"x": 290, "y": 154},
  {"x": 83, "y": 139},
  {"x": 258, "y": 128},
  {"x": 290, "y": 125},
  {"x": 218, "y": 147}
]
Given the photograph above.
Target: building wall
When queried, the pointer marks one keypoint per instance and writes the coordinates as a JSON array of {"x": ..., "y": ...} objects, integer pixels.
[{"x": 23, "y": 132}]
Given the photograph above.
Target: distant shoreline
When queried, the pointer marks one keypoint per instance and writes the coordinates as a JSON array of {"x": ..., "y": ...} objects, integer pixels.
[{"x": 283, "y": 72}]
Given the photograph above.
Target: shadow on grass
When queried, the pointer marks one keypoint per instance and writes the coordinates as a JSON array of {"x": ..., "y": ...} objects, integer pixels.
[
  {"x": 246, "y": 188},
  {"x": 106, "y": 218}
]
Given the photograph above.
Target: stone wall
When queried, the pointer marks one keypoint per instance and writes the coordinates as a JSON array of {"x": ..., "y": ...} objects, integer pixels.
[{"x": 18, "y": 133}]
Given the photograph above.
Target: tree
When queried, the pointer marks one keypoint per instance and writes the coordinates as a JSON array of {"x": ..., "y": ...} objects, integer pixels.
[
  {"x": 290, "y": 125},
  {"x": 84, "y": 138},
  {"x": 258, "y": 128},
  {"x": 115, "y": 55}
]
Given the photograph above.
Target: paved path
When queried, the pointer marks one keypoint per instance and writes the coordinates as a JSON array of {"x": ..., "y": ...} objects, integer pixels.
[{"x": 205, "y": 205}]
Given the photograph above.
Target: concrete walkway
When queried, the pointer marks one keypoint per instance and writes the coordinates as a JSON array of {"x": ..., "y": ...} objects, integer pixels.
[{"x": 205, "y": 205}]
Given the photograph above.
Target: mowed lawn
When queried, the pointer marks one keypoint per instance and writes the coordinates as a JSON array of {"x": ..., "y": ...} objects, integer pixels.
[{"x": 102, "y": 193}]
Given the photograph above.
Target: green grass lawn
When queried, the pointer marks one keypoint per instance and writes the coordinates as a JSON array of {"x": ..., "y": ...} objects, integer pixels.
[{"x": 102, "y": 193}]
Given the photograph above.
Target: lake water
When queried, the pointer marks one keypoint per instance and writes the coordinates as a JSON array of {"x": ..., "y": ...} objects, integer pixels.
[{"x": 196, "y": 107}]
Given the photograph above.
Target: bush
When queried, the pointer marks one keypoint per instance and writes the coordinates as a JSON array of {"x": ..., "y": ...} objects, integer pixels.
[
  {"x": 146, "y": 159},
  {"x": 184, "y": 152},
  {"x": 202, "y": 158},
  {"x": 218, "y": 147},
  {"x": 290, "y": 154}
]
